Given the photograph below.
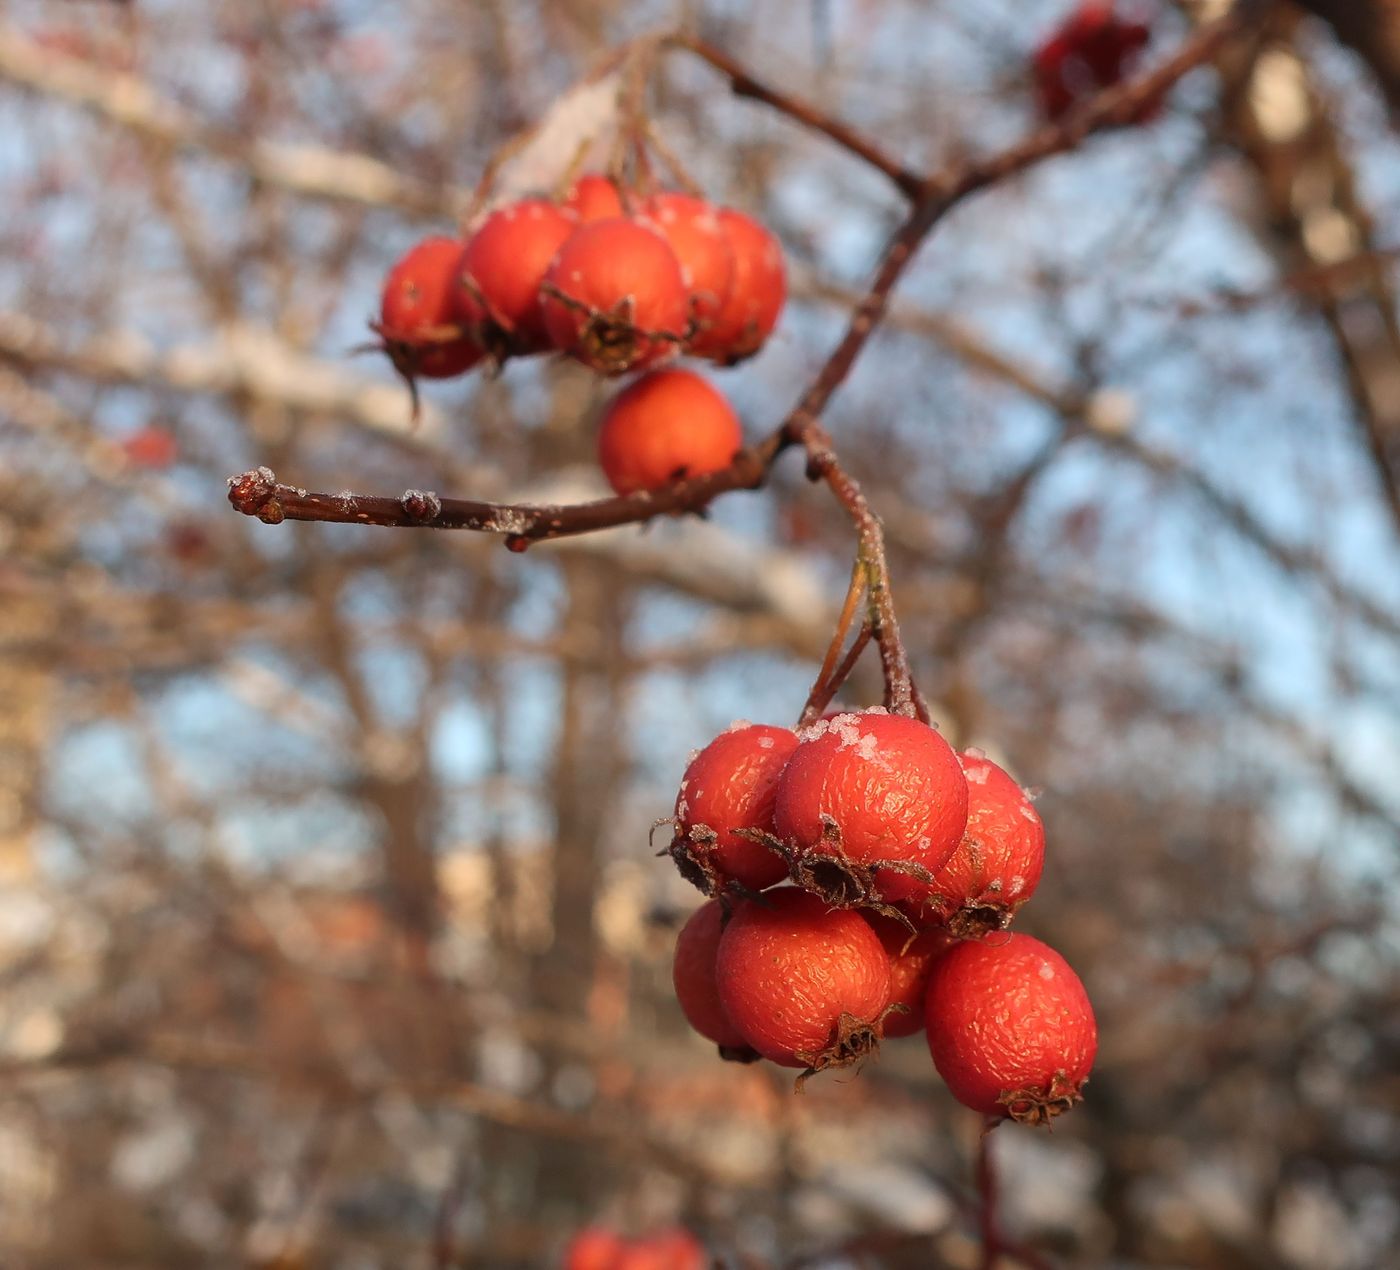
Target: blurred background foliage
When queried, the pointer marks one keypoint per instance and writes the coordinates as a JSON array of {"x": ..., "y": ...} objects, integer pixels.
[{"x": 331, "y": 936}]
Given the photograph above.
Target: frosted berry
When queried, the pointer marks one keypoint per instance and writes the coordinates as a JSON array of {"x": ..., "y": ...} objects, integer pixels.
[
  {"x": 693, "y": 974},
  {"x": 997, "y": 865},
  {"x": 911, "y": 959},
  {"x": 726, "y": 797},
  {"x": 614, "y": 297},
  {"x": 869, "y": 807},
  {"x": 593, "y": 197},
  {"x": 667, "y": 425},
  {"x": 417, "y": 321},
  {"x": 757, "y": 292},
  {"x": 806, "y": 985},
  {"x": 502, "y": 266},
  {"x": 697, "y": 236},
  {"x": 1010, "y": 1027}
]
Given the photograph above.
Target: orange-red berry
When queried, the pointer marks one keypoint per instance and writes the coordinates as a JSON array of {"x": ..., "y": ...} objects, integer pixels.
[
  {"x": 502, "y": 266},
  {"x": 666, "y": 425},
  {"x": 757, "y": 291},
  {"x": 1010, "y": 1027},
  {"x": 805, "y": 985},
  {"x": 911, "y": 960},
  {"x": 614, "y": 297},
  {"x": 693, "y": 975},
  {"x": 418, "y": 322},
  {"x": 726, "y": 797},
  {"x": 697, "y": 236},
  {"x": 871, "y": 805}
]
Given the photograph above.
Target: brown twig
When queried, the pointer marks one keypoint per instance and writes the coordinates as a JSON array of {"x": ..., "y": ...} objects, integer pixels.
[{"x": 258, "y": 493}]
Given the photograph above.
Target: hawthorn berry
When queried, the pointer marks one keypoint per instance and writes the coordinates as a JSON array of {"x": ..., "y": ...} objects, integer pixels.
[
  {"x": 417, "y": 322},
  {"x": 697, "y": 236},
  {"x": 499, "y": 275},
  {"x": 911, "y": 959},
  {"x": 726, "y": 799},
  {"x": 805, "y": 984},
  {"x": 1010, "y": 1027},
  {"x": 757, "y": 291},
  {"x": 1092, "y": 49},
  {"x": 869, "y": 807},
  {"x": 614, "y": 297},
  {"x": 667, "y": 1250},
  {"x": 151, "y": 447},
  {"x": 593, "y": 197},
  {"x": 594, "y": 1248},
  {"x": 693, "y": 974},
  {"x": 666, "y": 425},
  {"x": 997, "y": 865}
]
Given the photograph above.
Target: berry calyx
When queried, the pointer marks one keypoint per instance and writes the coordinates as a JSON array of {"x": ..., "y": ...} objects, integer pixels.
[
  {"x": 667, "y": 425},
  {"x": 697, "y": 236},
  {"x": 1010, "y": 1027},
  {"x": 869, "y": 806},
  {"x": 757, "y": 291},
  {"x": 614, "y": 298},
  {"x": 497, "y": 295},
  {"x": 911, "y": 961},
  {"x": 693, "y": 974},
  {"x": 725, "y": 805},
  {"x": 806, "y": 985},
  {"x": 417, "y": 322},
  {"x": 593, "y": 197},
  {"x": 997, "y": 865}
]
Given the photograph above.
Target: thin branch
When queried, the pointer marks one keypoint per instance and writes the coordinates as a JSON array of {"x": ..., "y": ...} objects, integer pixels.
[{"x": 129, "y": 101}]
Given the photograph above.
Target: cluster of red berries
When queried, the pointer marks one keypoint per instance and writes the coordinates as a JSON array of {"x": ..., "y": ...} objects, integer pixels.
[
  {"x": 905, "y": 863},
  {"x": 615, "y": 281},
  {"x": 598, "y": 1248},
  {"x": 1093, "y": 49}
]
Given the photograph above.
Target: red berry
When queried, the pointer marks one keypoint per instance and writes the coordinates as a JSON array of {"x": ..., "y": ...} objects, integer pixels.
[
  {"x": 806, "y": 985},
  {"x": 911, "y": 959},
  {"x": 1010, "y": 1027},
  {"x": 614, "y": 297},
  {"x": 667, "y": 425},
  {"x": 594, "y": 1248},
  {"x": 870, "y": 805},
  {"x": 693, "y": 973},
  {"x": 1090, "y": 51},
  {"x": 669, "y": 1250},
  {"x": 756, "y": 293},
  {"x": 417, "y": 321},
  {"x": 729, "y": 786},
  {"x": 151, "y": 447},
  {"x": 501, "y": 269},
  {"x": 696, "y": 234},
  {"x": 997, "y": 865},
  {"x": 593, "y": 197}
]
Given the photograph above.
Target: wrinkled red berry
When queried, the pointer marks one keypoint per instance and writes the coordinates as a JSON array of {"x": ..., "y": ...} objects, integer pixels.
[
  {"x": 911, "y": 959},
  {"x": 870, "y": 805},
  {"x": 693, "y": 974},
  {"x": 997, "y": 865},
  {"x": 728, "y": 791},
  {"x": 1010, "y": 1027},
  {"x": 805, "y": 985}
]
